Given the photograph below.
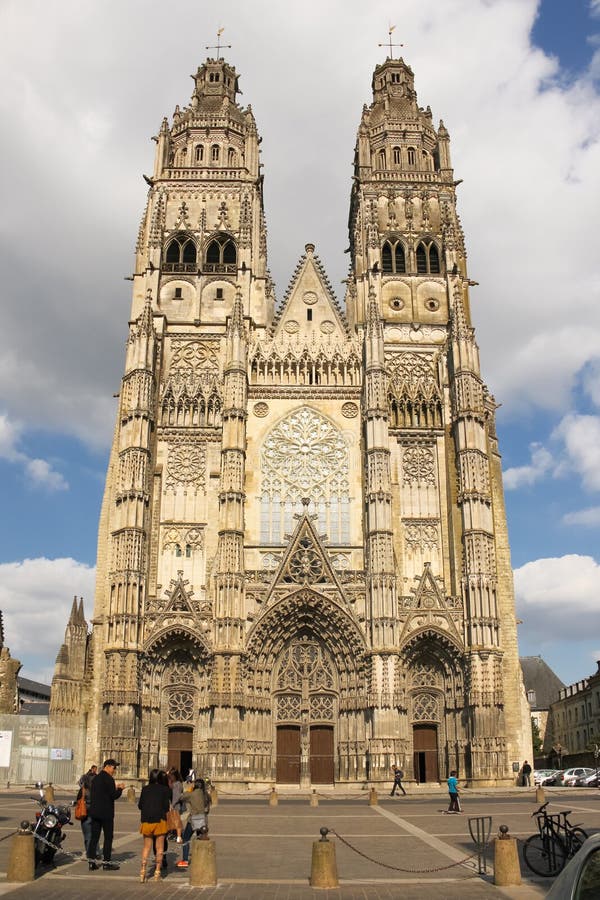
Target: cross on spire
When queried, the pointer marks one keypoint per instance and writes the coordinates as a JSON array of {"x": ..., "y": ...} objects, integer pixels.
[
  {"x": 389, "y": 43},
  {"x": 217, "y": 46}
]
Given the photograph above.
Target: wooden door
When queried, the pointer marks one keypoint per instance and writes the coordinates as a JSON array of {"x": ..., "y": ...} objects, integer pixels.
[
  {"x": 321, "y": 754},
  {"x": 425, "y": 746},
  {"x": 288, "y": 754},
  {"x": 180, "y": 749}
]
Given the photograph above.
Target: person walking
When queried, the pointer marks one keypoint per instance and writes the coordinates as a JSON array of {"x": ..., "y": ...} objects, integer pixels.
[
  {"x": 199, "y": 802},
  {"x": 398, "y": 776},
  {"x": 453, "y": 791},
  {"x": 154, "y": 805},
  {"x": 526, "y": 772},
  {"x": 103, "y": 793}
]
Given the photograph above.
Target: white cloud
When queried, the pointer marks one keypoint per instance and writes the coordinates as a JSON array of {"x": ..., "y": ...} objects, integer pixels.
[
  {"x": 520, "y": 476},
  {"x": 591, "y": 381},
  {"x": 587, "y": 517},
  {"x": 557, "y": 598},
  {"x": 35, "y": 598},
  {"x": 39, "y": 472},
  {"x": 524, "y": 141},
  {"x": 581, "y": 437}
]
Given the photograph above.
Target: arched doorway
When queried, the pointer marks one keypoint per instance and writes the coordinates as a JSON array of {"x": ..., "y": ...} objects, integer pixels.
[
  {"x": 425, "y": 753},
  {"x": 306, "y": 706},
  {"x": 180, "y": 747}
]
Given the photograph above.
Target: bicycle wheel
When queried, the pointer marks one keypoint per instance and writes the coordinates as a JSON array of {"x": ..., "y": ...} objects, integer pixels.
[
  {"x": 577, "y": 837},
  {"x": 545, "y": 855}
]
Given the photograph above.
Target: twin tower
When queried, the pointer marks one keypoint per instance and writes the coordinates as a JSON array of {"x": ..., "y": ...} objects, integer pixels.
[{"x": 303, "y": 565}]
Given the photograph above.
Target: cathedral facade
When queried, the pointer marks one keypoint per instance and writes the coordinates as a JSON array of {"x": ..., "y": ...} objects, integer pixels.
[{"x": 303, "y": 564}]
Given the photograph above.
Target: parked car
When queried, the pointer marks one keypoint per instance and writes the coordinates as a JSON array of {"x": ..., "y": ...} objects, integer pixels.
[
  {"x": 544, "y": 776},
  {"x": 587, "y": 780},
  {"x": 580, "y": 879},
  {"x": 570, "y": 776}
]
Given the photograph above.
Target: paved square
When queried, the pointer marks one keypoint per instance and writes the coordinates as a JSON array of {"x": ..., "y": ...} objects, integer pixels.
[{"x": 404, "y": 847}]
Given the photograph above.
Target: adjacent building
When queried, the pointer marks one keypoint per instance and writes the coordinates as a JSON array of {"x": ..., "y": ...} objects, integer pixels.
[{"x": 303, "y": 564}]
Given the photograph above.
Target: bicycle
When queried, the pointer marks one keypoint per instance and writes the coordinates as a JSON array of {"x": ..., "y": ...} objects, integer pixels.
[{"x": 547, "y": 852}]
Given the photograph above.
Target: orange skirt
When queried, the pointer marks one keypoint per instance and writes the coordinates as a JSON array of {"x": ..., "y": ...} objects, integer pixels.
[{"x": 153, "y": 829}]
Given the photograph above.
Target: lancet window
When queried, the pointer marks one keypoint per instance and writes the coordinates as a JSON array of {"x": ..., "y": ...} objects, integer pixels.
[
  {"x": 305, "y": 457},
  {"x": 221, "y": 255},
  {"x": 428, "y": 259},
  {"x": 180, "y": 254},
  {"x": 393, "y": 257}
]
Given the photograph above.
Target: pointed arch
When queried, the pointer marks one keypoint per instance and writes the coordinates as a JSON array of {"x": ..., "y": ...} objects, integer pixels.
[
  {"x": 221, "y": 254},
  {"x": 180, "y": 254},
  {"x": 309, "y": 614}
]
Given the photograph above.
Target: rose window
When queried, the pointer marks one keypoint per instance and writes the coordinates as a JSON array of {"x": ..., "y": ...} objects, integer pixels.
[
  {"x": 305, "y": 456},
  {"x": 181, "y": 706}
]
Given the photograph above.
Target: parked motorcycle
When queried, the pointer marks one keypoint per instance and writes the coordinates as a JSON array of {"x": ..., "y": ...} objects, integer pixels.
[{"x": 48, "y": 827}]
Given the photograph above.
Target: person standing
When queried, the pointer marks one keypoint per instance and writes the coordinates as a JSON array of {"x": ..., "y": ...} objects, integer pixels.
[
  {"x": 91, "y": 773},
  {"x": 398, "y": 776},
  {"x": 526, "y": 772},
  {"x": 85, "y": 822},
  {"x": 154, "y": 805},
  {"x": 453, "y": 791},
  {"x": 103, "y": 793},
  {"x": 199, "y": 802}
]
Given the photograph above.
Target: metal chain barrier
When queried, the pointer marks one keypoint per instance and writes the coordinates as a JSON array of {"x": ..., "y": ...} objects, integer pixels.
[
  {"x": 459, "y": 862},
  {"x": 79, "y": 856},
  {"x": 6, "y": 836}
]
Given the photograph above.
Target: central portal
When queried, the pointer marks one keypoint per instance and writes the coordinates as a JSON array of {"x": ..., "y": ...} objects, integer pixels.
[
  {"x": 305, "y": 710},
  {"x": 180, "y": 749}
]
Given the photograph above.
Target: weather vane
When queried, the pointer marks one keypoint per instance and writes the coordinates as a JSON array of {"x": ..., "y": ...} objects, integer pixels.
[
  {"x": 217, "y": 46},
  {"x": 389, "y": 43}
]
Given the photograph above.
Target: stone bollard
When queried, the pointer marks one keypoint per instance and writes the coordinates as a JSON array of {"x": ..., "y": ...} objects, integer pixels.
[
  {"x": 373, "y": 801},
  {"x": 214, "y": 797},
  {"x": 21, "y": 859},
  {"x": 203, "y": 863},
  {"x": 273, "y": 798},
  {"x": 314, "y": 800},
  {"x": 323, "y": 871},
  {"x": 131, "y": 794},
  {"x": 507, "y": 870},
  {"x": 49, "y": 793},
  {"x": 540, "y": 796}
]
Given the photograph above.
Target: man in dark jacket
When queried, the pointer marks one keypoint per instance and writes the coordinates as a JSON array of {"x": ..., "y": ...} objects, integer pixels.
[{"x": 101, "y": 809}]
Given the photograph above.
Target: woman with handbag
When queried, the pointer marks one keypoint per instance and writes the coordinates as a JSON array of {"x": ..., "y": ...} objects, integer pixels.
[
  {"x": 81, "y": 810},
  {"x": 154, "y": 804},
  {"x": 174, "y": 818},
  {"x": 199, "y": 802}
]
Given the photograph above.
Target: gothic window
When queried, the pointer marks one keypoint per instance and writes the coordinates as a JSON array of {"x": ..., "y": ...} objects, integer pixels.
[
  {"x": 199, "y": 153},
  {"x": 180, "y": 255},
  {"x": 214, "y": 153},
  {"x": 426, "y": 160},
  {"x": 428, "y": 259},
  {"x": 305, "y": 456},
  {"x": 231, "y": 157},
  {"x": 393, "y": 257},
  {"x": 381, "y": 159},
  {"x": 397, "y": 155},
  {"x": 411, "y": 156},
  {"x": 221, "y": 254}
]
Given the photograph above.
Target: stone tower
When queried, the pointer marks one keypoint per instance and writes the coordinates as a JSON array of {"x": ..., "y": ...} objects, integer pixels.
[{"x": 303, "y": 563}]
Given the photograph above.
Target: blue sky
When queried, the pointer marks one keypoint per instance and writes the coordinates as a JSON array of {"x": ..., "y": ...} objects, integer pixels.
[{"x": 86, "y": 85}]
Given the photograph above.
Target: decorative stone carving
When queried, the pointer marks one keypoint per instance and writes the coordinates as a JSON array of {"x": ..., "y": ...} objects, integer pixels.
[
  {"x": 418, "y": 465},
  {"x": 261, "y": 410},
  {"x": 350, "y": 410},
  {"x": 186, "y": 464}
]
